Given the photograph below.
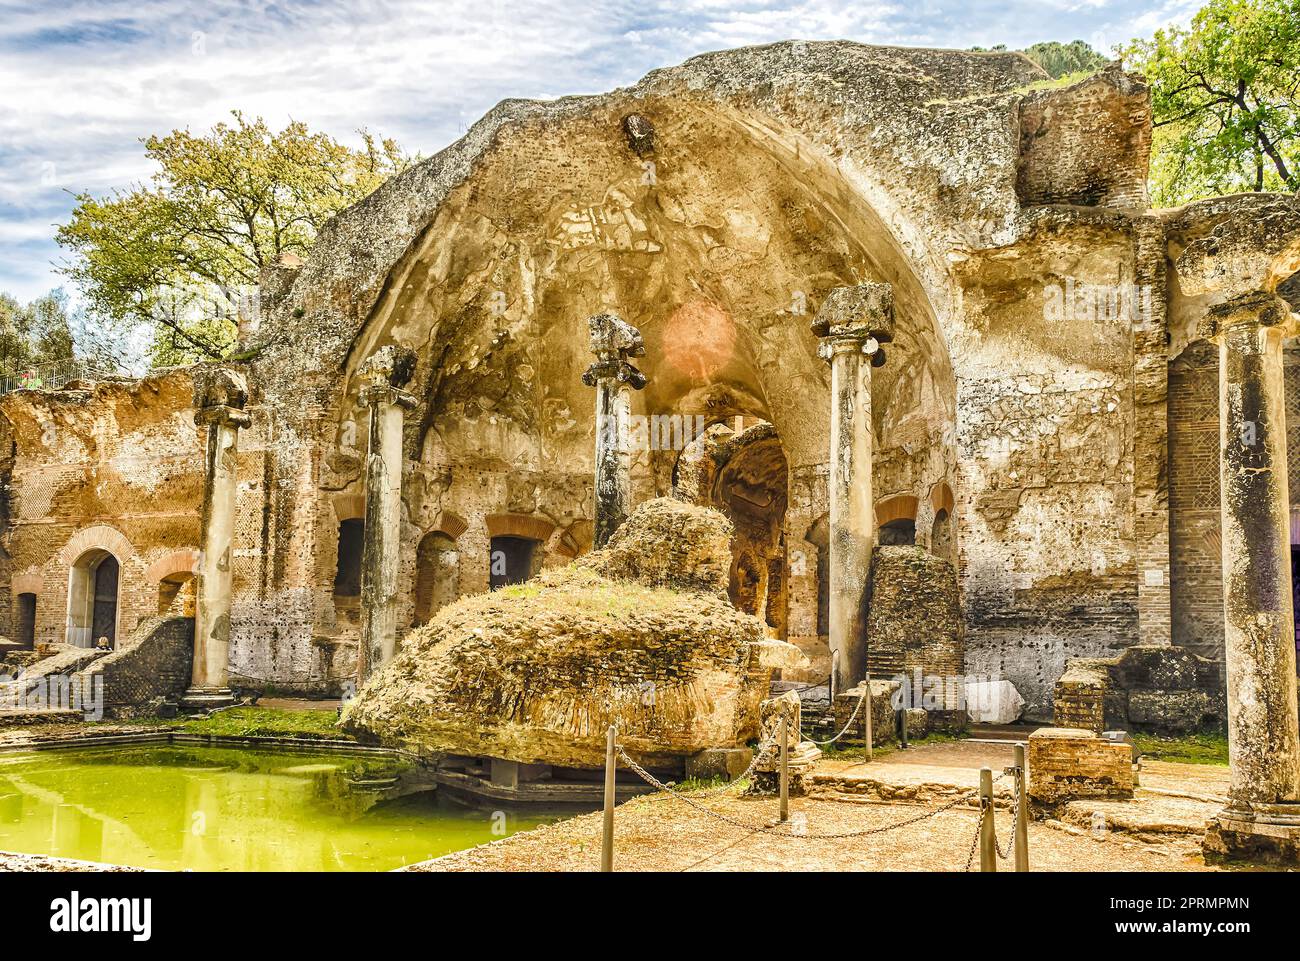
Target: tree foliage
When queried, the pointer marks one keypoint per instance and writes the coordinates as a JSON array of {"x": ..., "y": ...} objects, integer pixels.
[
  {"x": 1226, "y": 97},
  {"x": 34, "y": 335},
  {"x": 181, "y": 255},
  {"x": 1060, "y": 59},
  {"x": 1063, "y": 59}
]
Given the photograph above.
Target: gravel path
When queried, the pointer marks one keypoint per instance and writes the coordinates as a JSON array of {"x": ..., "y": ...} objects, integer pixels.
[{"x": 658, "y": 833}]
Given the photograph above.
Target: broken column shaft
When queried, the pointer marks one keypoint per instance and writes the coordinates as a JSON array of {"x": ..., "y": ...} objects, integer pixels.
[
  {"x": 613, "y": 341},
  {"x": 220, "y": 401},
  {"x": 383, "y": 376},
  {"x": 1263, "y": 813},
  {"x": 851, "y": 324}
]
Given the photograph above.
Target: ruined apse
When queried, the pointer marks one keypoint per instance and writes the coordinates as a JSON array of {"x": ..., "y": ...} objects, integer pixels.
[{"x": 1031, "y": 426}]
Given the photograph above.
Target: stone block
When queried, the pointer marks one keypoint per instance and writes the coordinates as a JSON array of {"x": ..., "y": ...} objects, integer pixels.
[
  {"x": 727, "y": 763},
  {"x": 1067, "y": 763}
]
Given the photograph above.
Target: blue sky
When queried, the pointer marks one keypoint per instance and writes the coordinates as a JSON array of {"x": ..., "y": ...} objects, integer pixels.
[{"x": 84, "y": 80}]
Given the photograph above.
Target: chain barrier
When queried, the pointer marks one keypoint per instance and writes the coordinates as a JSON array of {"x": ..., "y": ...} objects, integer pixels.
[
  {"x": 848, "y": 724},
  {"x": 780, "y": 829},
  {"x": 979, "y": 823}
]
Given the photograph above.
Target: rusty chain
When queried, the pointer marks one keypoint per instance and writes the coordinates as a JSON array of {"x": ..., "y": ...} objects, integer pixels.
[{"x": 777, "y": 829}]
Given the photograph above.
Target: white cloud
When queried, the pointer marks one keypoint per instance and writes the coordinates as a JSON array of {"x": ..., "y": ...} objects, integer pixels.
[{"x": 86, "y": 79}]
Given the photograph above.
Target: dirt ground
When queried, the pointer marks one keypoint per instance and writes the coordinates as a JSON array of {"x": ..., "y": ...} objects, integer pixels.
[{"x": 1158, "y": 831}]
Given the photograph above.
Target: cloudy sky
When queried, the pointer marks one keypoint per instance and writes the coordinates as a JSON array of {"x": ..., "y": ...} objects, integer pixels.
[{"x": 84, "y": 80}]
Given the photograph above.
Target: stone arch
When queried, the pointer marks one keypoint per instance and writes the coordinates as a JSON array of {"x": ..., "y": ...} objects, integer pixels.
[
  {"x": 449, "y": 523},
  {"x": 896, "y": 519},
  {"x": 174, "y": 576},
  {"x": 516, "y": 547},
  {"x": 942, "y": 503},
  {"x": 348, "y": 507},
  {"x": 101, "y": 536},
  {"x": 183, "y": 561},
  {"x": 575, "y": 540},
  {"x": 519, "y": 525},
  {"x": 724, "y": 334}
]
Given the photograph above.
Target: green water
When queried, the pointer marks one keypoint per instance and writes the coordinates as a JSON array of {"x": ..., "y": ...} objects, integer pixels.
[{"x": 226, "y": 809}]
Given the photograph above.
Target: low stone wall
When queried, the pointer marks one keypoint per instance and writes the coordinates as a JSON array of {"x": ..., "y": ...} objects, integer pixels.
[
  {"x": 155, "y": 662},
  {"x": 915, "y": 620},
  {"x": 1162, "y": 690},
  {"x": 883, "y": 724},
  {"x": 1066, "y": 763}
]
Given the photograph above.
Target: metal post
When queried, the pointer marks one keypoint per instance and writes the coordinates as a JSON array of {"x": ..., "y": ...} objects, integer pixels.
[
  {"x": 607, "y": 836},
  {"x": 902, "y": 728},
  {"x": 785, "y": 767},
  {"x": 866, "y": 709},
  {"x": 1022, "y": 812},
  {"x": 988, "y": 840}
]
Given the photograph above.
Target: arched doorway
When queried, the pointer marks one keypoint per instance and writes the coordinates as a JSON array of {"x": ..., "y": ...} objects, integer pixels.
[
  {"x": 513, "y": 559},
  {"x": 26, "y": 620},
  {"x": 437, "y": 574},
  {"x": 93, "y": 599},
  {"x": 347, "y": 574}
]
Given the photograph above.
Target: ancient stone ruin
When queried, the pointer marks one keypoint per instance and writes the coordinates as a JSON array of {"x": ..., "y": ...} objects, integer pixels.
[
  {"x": 638, "y": 634},
  {"x": 848, "y": 296}
]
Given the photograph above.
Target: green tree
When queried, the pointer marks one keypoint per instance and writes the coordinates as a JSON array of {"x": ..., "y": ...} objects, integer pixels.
[
  {"x": 181, "y": 255},
  {"x": 34, "y": 336},
  {"x": 1059, "y": 59},
  {"x": 1063, "y": 59},
  {"x": 1226, "y": 97}
]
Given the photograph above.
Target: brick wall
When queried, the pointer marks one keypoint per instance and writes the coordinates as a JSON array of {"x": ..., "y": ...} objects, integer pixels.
[
  {"x": 1066, "y": 763},
  {"x": 154, "y": 662},
  {"x": 1195, "y": 559}
]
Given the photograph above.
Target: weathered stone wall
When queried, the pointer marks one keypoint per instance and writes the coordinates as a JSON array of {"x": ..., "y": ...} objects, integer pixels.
[
  {"x": 915, "y": 619},
  {"x": 1195, "y": 544},
  {"x": 111, "y": 467},
  {"x": 154, "y": 663}
]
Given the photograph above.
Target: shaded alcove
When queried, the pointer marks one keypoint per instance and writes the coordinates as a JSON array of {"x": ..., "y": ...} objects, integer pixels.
[
  {"x": 347, "y": 574},
  {"x": 437, "y": 574},
  {"x": 26, "y": 620},
  {"x": 93, "y": 599},
  {"x": 513, "y": 560}
]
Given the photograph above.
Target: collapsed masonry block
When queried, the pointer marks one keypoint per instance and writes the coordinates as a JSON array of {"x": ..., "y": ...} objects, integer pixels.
[
  {"x": 1066, "y": 763},
  {"x": 727, "y": 763},
  {"x": 1155, "y": 688}
]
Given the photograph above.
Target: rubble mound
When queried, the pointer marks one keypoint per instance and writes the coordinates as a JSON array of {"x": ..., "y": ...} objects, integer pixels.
[
  {"x": 671, "y": 544},
  {"x": 639, "y": 634}
]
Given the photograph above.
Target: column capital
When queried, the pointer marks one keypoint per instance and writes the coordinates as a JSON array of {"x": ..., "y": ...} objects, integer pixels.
[
  {"x": 222, "y": 415},
  {"x": 614, "y": 341},
  {"x": 1258, "y": 311},
  {"x": 864, "y": 310},
  {"x": 855, "y": 319},
  {"x": 379, "y": 394}
]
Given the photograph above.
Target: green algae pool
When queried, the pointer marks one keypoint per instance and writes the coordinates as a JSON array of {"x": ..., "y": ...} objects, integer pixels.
[{"x": 234, "y": 809}]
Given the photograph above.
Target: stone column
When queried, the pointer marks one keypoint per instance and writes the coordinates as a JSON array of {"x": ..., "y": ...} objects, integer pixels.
[
  {"x": 382, "y": 377},
  {"x": 613, "y": 341},
  {"x": 1262, "y": 818},
  {"x": 851, "y": 324},
  {"x": 220, "y": 395}
]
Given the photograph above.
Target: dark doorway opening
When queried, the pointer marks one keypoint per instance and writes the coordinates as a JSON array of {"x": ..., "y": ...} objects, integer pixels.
[
  {"x": 898, "y": 533},
  {"x": 104, "y": 621},
  {"x": 513, "y": 560},
  {"x": 27, "y": 620}
]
